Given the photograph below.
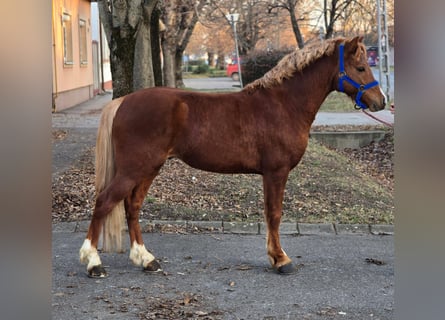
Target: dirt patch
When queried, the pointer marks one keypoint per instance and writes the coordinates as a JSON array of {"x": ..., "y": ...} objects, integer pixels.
[{"x": 351, "y": 186}]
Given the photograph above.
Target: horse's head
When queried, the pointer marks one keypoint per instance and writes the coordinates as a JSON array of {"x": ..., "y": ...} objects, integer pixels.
[{"x": 355, "y": 77}]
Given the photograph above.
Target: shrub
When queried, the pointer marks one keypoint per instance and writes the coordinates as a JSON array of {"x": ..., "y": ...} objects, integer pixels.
[
  {"x": 201, "y": 68},
  {"x": 257, "y": 63}
]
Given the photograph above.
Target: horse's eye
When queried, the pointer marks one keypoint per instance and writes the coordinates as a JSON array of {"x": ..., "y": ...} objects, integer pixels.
[{"x": 360, "y": 69}]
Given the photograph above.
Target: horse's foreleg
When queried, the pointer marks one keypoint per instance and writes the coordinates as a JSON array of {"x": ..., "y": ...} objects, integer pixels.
[
  {"x": 138, "y": 253},
  {"x": 274, "y": 184},
  {"x": 105, "y": 202}
]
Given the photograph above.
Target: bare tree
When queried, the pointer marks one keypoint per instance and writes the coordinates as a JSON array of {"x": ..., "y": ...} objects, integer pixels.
[
  {"x": 213, "y": 37},
  {"x": 253, "y": 20},
  {"x": 361, "y": 17},
  {"x": 127, "y": 28},
  {"x": 179, "y": 18},
  {"x": 333, "y": 11},
  {"x": 291, "y": 7}
]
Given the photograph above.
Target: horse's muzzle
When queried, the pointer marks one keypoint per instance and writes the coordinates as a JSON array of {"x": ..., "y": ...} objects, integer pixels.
[{"x": 377, "y": 104}]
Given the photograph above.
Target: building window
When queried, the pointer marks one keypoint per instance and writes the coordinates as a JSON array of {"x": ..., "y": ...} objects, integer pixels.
[
  {"x": 67, "y": 39},
  {"x": 83, "y": 42}
]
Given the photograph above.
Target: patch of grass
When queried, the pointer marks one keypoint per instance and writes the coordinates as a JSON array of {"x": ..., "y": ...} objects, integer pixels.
[
  {"x": 217, "y": 73},
  {"x": 189, "y": 75},
  {"x": 337, "y": 102},
  {"x": 337, "y": 190},
  {"x": 149, "y": 199},
  {"x": 211, "y": 73}
]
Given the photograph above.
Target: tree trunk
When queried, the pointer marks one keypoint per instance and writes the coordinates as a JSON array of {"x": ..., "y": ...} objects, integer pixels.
[
  {"x": 143, "y": 66},
  {"x": 121, "y": 61},
  {"x": 127, "y": 27},
  {"x": 156, "y": 48},
  {"x": 294, "y": 22},
  {"x": 220, "y": 62},
  {"x": 179, "y": 18},
  {"x": 169, "y": 64},
  {"x": 178, "y": 69},
  {"x": 330, "y": 17},
  {"x": 211, "y": 58}
]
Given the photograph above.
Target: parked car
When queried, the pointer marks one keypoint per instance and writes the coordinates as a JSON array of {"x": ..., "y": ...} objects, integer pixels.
[
  {"x": 373, "y": 56},
  {"x": 232, "y": 70}
]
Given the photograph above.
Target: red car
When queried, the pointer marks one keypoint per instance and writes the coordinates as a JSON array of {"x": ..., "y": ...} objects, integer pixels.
[{"x": 232, "y": 70}]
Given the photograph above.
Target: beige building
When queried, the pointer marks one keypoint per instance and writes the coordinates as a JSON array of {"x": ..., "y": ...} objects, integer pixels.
[{"x": 72, "y": 53}]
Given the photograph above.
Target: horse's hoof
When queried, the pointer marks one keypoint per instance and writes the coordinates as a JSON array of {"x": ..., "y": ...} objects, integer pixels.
[
  {"x": 97, "y": 272},
  {"x": 288, "y": 268},
  {"x": 153, "y": 267}
]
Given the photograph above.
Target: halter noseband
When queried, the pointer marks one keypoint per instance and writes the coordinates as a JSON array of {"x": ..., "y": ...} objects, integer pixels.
[{"x": 344, "y": 77}]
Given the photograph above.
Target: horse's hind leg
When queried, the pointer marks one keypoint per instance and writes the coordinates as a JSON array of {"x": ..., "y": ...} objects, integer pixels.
[
  {"x": 274, "y": 184},
  {"x": 138, "y": 253},
  {"x": 118, "y": 189}
]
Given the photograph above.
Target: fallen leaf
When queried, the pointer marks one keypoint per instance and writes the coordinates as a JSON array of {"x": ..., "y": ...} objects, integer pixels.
[{"x": 243, "y": 267}]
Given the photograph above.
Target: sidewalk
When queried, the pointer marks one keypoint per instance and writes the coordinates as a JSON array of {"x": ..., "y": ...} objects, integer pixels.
[{"x": 84, "y": 115}]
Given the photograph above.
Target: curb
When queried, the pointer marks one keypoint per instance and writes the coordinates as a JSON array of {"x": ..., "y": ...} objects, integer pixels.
[{"x": 246, "y": 228}]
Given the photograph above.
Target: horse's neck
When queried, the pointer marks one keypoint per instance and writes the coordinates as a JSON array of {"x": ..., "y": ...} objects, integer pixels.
[{"x": 310, "y": 87}]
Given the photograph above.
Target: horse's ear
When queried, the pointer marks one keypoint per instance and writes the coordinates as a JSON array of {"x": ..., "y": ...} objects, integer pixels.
[{"x": 353, "y": 44}]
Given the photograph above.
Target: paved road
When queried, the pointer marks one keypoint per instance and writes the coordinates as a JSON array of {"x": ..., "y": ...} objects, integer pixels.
[
  {"x": 230, "y": 278},
  {"x": 224, "y": 83}
]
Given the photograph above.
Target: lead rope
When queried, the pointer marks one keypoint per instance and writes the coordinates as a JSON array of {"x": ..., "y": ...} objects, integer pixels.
[{"x": 377, "y": 119}]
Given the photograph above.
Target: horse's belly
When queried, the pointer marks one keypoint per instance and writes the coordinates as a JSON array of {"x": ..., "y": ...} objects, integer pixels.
[{"x": 221, "y": 162}]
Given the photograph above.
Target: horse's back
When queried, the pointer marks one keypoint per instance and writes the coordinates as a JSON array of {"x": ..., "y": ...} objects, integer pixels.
[{"x": 213, "y": 132}]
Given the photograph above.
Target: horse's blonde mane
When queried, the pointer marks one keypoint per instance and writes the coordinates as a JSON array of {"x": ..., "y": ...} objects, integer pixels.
[{"x": 294, "y": 62}]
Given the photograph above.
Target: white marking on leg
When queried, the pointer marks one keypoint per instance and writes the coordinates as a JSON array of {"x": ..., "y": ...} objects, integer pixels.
[
  {"x": 139, "y": 255},
  {"x": 269, "y": 250},
  {"x": 88, "y": 255},
  {"x": 271, "y": 259}
]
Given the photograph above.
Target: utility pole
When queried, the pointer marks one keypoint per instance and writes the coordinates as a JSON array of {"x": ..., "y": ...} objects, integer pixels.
[
  {"x": 383, "y": 45},
  {"x": 233, "y": 19}
]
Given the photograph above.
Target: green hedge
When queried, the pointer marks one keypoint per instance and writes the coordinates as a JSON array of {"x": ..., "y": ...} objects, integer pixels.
[
  {"x": 257, "y": 63},
  {"x": 201, "y": 68}
]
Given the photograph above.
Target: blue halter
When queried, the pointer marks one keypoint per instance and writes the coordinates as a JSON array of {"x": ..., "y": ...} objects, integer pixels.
[{"x": 344, "y": 77}]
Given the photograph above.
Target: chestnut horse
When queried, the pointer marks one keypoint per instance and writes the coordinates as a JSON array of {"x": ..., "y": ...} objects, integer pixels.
[{"x": 263, "y": 129}]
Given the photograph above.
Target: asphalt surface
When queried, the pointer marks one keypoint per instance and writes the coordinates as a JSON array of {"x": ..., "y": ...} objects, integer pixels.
[
  {"x": 341, "y": 275},
  {"x": 231, "y": 276}
]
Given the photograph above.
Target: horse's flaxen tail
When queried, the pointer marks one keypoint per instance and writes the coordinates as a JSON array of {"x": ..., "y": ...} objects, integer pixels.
[{"x": 105, "y": 169}]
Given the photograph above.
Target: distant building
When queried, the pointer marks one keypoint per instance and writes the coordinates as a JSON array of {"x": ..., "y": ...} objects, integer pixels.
[
  {"x": 101, "y": 52},
  {"x": 81, "y": 67}
]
